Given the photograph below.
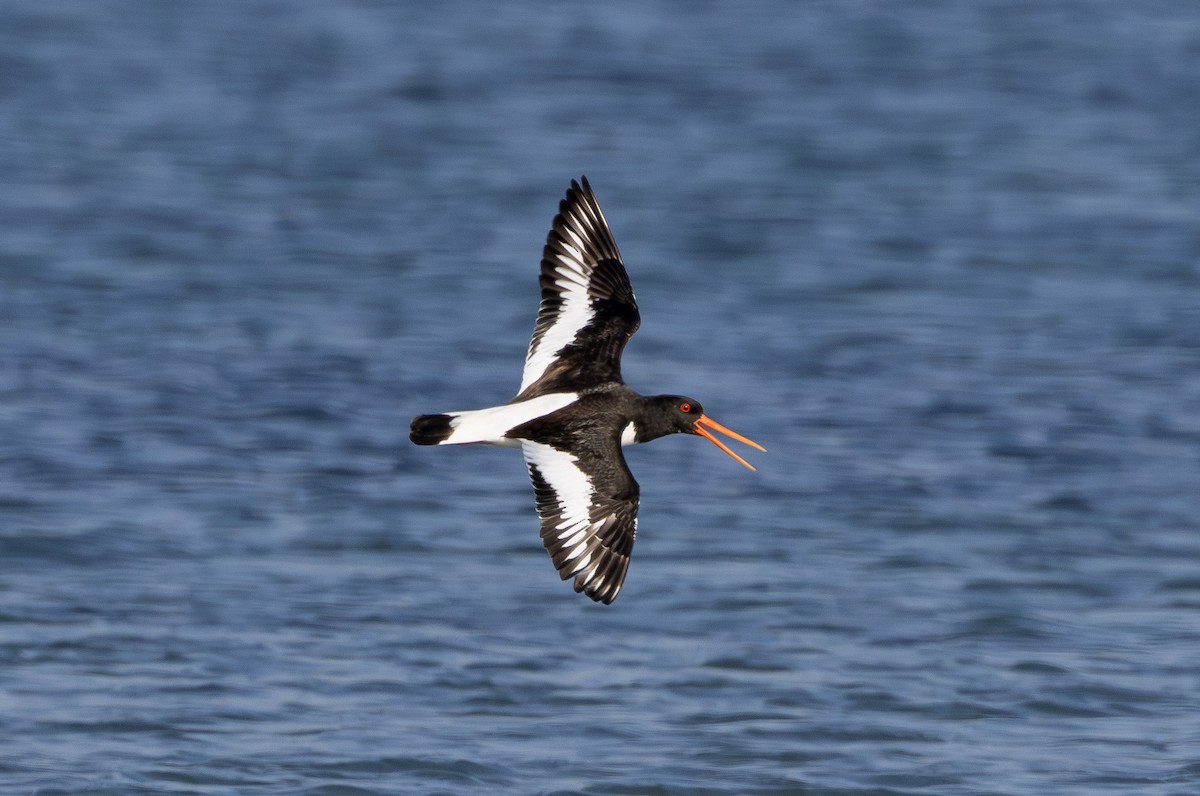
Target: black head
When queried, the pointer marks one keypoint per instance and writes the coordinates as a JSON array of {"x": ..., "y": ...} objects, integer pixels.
[
  {"x": 669, "y": 414},
  {"x": 678, "y": 414}
]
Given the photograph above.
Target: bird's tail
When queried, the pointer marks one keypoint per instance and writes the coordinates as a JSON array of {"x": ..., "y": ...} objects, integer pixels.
[
  {"x": 484, "y": 426},
  {"x": 430, "y": 429},
  {"x": 480, "y": 426}
]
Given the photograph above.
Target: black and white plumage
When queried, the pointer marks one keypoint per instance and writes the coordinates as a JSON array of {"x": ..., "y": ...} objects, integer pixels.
[
  {"x": 588, "y": 311},
  {"x": 573, "y": 411}
]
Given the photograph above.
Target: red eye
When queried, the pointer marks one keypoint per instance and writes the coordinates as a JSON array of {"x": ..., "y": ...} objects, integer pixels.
[{"x": 685, "y": 407}]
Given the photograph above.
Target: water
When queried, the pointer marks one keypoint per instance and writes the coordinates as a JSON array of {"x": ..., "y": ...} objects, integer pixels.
[{"x": 941, "y": 259}]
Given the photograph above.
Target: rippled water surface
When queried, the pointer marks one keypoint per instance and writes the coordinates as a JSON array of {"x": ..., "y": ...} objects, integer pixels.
[{"x": 942, "y": 259}]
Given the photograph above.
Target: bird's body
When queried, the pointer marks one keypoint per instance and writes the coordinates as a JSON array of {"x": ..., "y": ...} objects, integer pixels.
[{"x": 573, "y": 411}]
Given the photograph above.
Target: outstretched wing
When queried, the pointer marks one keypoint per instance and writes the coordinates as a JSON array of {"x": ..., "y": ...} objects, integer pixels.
[
  {"x": 588, "y": 311},
  {"x": 588, "y": 506}
]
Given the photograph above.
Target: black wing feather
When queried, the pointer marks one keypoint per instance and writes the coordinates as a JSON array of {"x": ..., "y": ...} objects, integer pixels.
[
  {"x": 597, "y": 541},
  {"x": 580, "y": 264}
]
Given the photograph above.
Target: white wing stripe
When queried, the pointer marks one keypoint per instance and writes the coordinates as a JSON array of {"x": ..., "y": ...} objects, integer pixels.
[
  {"x": 571, "y": 283},
  {"x": 573, "y": 278},
  {"x": 574, "y": 314},
  {"x": 571, "y": 486}
]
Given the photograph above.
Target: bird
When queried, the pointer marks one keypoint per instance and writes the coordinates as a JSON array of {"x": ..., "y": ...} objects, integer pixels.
[{"x": 573, "y": 412}]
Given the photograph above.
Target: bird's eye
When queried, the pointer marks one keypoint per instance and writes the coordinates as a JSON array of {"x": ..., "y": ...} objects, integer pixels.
[{"x": 685, "y": 407}]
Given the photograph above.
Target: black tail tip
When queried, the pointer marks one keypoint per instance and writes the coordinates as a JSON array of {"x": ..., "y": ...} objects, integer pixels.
[{"x": 429, "y": 429}]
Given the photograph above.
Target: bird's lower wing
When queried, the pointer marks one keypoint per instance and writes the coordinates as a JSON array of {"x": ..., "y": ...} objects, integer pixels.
[{"x": 588, "y": 514}]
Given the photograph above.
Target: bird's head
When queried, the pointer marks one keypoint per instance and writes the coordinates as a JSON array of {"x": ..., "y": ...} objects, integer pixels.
[{"x": 683, "y": 415}]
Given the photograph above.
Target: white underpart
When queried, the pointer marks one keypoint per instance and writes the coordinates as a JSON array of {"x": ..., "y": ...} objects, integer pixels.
[
  {"x": 574, "y": 313},
  {"x": 629, "y": 435},
  {"x": 574, "y": 491},
  {"x": 489, "y": 425}
]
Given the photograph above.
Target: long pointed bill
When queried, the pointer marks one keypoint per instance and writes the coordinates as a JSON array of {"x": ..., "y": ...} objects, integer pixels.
[{"x": 704, "y": 423}]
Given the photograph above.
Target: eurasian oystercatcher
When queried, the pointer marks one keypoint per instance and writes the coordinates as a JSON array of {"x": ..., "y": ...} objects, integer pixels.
[{"x": 573, "y": 411}]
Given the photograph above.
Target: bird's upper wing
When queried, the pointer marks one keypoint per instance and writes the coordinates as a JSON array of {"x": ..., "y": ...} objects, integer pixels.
[
  {"x": 588, "y": 311},
  {"x": 588, "y": 506}
]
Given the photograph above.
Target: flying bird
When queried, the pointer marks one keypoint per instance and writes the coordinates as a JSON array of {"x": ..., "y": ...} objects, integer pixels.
[{"x": 573, "y": 412}]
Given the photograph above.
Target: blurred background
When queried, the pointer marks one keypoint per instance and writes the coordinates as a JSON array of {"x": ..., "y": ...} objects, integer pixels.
[{"x": 941, "y": 258}]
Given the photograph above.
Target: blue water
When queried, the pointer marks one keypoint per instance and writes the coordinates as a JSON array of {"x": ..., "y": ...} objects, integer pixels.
[{"x": 941, "y": 258}]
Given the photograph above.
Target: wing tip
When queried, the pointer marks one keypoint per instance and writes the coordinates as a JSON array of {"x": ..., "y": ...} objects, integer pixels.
[
  {"x": 602, "y": 580},
  {"x": 579, "y": 216},
  {"x": 603, "y": 593},
  {"x": 580, "y": 192}
]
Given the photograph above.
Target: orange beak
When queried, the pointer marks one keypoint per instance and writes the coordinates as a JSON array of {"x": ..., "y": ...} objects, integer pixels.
[{"x": 703, "y": 423}]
